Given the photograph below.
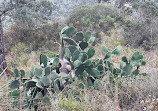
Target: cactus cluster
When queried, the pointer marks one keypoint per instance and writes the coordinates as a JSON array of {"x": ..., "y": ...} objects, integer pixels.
[
  {"x": 80, "y": 53},
  {"x": 128, "y": 67},
  {"x": 39, "y": 80},
  {"x": 77, "y": 51}
]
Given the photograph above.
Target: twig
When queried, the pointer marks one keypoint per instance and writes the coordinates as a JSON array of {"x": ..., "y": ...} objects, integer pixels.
[{"x": 3, "y": 71}]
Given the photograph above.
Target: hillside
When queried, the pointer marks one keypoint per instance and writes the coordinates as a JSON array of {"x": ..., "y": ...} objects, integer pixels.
[{"x": 79, "y": 55}]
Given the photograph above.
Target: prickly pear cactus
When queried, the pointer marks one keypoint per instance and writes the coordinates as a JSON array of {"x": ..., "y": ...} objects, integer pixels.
[
  {"x": 79, "y": 52},
  {"x": 128, "y": 67},
  {"x": 75, "y": 60}
]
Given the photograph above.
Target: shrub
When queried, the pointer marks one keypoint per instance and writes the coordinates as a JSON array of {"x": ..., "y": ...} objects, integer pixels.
[
  {"x": 93, "y": 12},
  {"x": 144, "y": 30},
  {"x": 35, "y": 38},
  {"x": 18, "y": 56},
  {"x": 116, "y": 38},
  {"x": 96, "y": 18}
]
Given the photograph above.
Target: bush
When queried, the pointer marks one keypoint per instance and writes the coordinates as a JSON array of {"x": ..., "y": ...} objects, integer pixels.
[
  {"x": 35, "y": 38},
  {"x": 93, "y": 12},
  {"x": 96, "y": 18},
  {"x": 17, "y": 56},
  {"x": 143, "y": 31},
  {"x": 116, "y": 38}
]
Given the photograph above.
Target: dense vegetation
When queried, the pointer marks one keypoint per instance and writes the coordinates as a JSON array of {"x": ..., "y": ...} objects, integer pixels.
[{"x": 95, "y": 56}]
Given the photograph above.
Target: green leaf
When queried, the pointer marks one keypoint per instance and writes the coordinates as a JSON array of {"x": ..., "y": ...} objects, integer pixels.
[
  {"x": 39, "y": 85},
  {"x": 97, "y": 84},
  {"x": 100, "y": 61},
  {"x": 83, "y": 45},
  {"x": 46, "y": 100},
  {"x": 64, "y": 29},
  {"x": 38, "y": 72},
  {"x": 72, "y": 49},
  {"x": 55, "y": 62},
  {"x": 67, "y": 53},
  {"x": 45, "y": 81},
  {"x": 63, "y": 75},
  {"x": 67, "y": 31},
  {"x": 57, "y": 84},
  {"x": 87, "y": 36},
  {"x": 117, "y": 71},
  {"x": 35, "y": 79},
  {"x": 137, "y": 56},
  {"x": 91, "y": 40},
  {"x": 127, "y": 69},
  {"x": 93, "y": 72},
  {"x": 117, "y": 51},
  {"x": 70, "y": 77},
  {"x": 109, "y": 64},
  {"x": 85, "y": 74},
  {"x": 79, "y": 36},
  {"x": 32, "y": 68},
  {"x": 124, "y": 59},
  {"x": 79, "y": 70},
  {"x": 135, "y": 72},
  {"x": 43, "y": 59},
  {"x": 77, "y": 63},
  {"x": 143, "y": 63},
  {"x": 31, "y": 74},
  {"x": 22, "y": 72},
  {"x": 100, "y": 68},
  {"x": 76, "y": 55},
  {"x": 40, "y": 95},
  {"x": 48, "y": 70},
  {"x": 54, "y": 75},
  {"x": 30, "y": 84},
  {"x": 16, "y": 73},
  {"x": 84, "y": 57},
  {"x": 91, "y": 52},
  {"x": 87, "y": 63},
  {"x": 121, "y": 64},
  {"x": 14, "y": 84},
  {"x": 70, "y": 41},
  {"x": 137, "y": 63},
  {"x": 108, "y": 57},
  {"x": 137, "y": 59},
  {"x": 89, "y": 82},
  {"x": 144, "y": 74},
  {"x": 80, "y": 77},
  {"x": 104, "y": 49},
  {"x": 15, "y": 93}
]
